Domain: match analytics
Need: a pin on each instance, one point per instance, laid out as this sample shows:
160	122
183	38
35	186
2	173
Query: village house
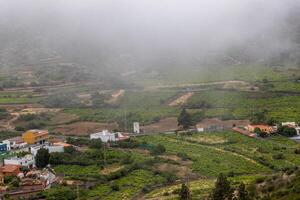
35	136
26	161
52	148
106	136
215	124
15	143
10	170
264	128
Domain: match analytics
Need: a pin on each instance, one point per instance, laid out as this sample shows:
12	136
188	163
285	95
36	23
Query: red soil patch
164	125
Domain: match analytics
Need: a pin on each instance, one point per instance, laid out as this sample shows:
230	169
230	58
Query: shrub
278	156
157	150
297	151
260	180
20	128
183	156
169	176
115	187
287	131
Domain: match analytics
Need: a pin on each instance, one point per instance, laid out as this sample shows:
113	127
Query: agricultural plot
145	107
213	153
251	73
126	187
240	105
208	160
199	188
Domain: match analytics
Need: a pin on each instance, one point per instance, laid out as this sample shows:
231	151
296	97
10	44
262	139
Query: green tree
185	193
69	150
259	117
95	144
242	192
222	190
42	158
287	131
184	119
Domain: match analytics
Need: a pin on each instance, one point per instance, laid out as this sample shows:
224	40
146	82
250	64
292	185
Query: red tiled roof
10	168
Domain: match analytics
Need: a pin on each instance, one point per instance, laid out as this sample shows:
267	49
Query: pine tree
185	193
223	190
184	119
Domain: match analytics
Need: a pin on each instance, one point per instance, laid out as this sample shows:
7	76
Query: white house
289	124
106	136
15	143
26	161
51	148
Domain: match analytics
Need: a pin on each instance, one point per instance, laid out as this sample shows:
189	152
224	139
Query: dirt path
9	124
116	96
182	99
226	83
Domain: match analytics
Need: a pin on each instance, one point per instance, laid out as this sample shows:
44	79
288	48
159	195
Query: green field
135	172
241	105
253	155
251	73
146	107
128	186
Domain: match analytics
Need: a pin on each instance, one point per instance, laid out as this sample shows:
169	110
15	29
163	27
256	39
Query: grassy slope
241	156
242	104
145	107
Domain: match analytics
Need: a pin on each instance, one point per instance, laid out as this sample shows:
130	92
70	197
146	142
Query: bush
183	156
69	150
260	180
287	131
297	151
169	176
28	117
115	187
20	128
279	156
157	150
95	144
130	143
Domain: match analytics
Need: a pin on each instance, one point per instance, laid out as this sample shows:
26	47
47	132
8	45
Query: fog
117	34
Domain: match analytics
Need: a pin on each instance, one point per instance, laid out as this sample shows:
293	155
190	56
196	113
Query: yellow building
35	136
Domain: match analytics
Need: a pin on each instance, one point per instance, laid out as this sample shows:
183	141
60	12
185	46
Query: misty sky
126	28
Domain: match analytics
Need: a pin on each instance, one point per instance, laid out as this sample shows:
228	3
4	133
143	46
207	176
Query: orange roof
260	126
10	168
38	132
62	143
